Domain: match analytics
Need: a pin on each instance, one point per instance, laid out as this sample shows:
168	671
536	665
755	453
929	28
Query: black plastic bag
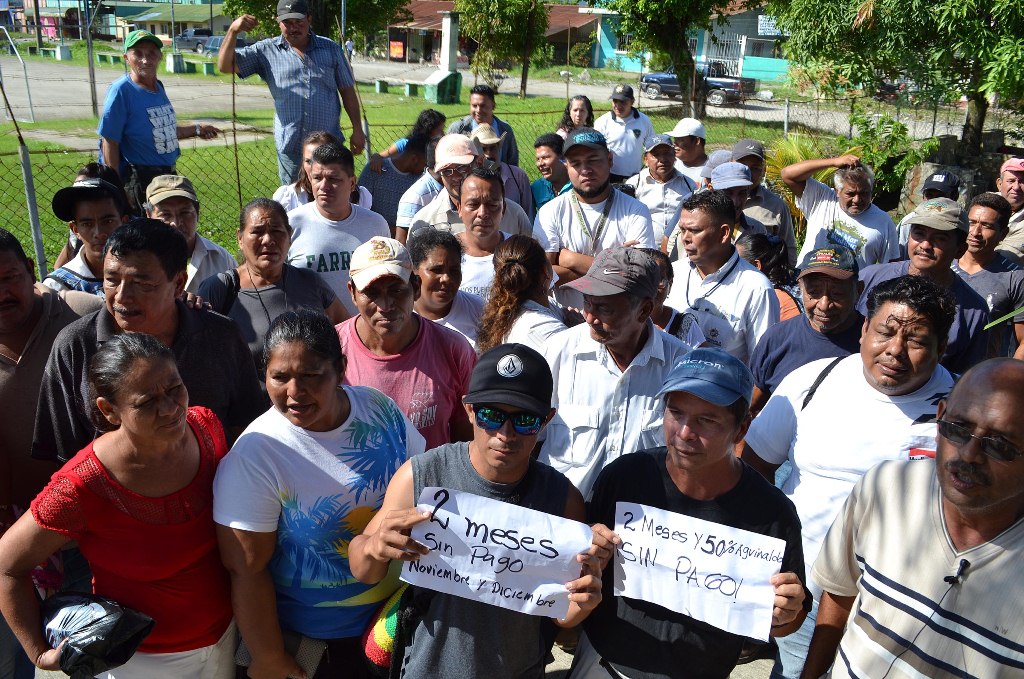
98	634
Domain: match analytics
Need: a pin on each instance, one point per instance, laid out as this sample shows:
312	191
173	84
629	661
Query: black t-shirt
648	641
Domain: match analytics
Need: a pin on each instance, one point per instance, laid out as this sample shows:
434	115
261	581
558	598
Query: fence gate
724	52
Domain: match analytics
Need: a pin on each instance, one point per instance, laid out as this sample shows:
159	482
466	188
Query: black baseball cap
622	92
65	200
947	183
292	9
512	374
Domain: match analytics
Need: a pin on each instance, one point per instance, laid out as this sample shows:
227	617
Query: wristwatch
199	130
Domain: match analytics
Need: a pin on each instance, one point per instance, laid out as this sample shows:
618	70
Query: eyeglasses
492	419
959	435
453	170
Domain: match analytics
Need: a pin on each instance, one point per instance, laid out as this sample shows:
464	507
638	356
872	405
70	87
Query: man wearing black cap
575	226
608	370
628	132
691	470
942	184
509	403
306	74
763	204
92	208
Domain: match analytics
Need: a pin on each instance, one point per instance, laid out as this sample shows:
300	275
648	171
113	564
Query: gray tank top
458	638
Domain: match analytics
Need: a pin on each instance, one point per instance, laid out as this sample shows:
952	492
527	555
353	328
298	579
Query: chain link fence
229	174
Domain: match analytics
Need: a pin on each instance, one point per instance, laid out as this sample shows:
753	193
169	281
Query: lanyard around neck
601	221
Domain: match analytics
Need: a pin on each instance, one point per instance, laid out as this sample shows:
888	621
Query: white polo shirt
603	412
626	140
662	198
734	306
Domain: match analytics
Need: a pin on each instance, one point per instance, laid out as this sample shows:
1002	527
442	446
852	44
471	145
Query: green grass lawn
212	168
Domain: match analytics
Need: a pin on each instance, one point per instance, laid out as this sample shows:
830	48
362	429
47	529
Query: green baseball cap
136	36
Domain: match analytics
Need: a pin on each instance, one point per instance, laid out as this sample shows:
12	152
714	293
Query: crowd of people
236	446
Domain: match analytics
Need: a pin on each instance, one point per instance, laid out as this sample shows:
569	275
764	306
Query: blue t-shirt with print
141	122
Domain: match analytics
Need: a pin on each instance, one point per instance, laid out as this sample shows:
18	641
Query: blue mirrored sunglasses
492	419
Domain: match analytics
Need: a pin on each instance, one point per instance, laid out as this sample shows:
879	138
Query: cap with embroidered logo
292	9
135	37
712	375
947	183
379	257
618	270
622	93
586	137
941	214
747	147
657	140
838	262
514	375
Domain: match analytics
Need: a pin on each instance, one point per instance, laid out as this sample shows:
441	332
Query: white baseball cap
379	257
688	127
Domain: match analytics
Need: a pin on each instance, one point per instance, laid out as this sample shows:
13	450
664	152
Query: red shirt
156	555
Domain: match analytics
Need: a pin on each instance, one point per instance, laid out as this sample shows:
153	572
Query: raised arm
226	55
797	174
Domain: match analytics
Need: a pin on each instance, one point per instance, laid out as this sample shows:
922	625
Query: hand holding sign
501	554
717	574
392	541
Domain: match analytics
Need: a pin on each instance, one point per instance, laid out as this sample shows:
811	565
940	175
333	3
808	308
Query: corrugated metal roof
426	17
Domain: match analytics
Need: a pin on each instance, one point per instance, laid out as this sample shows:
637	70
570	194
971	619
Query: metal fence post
785	121
33	210
935	116
853	103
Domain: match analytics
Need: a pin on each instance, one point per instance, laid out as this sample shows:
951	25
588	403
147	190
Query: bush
580	53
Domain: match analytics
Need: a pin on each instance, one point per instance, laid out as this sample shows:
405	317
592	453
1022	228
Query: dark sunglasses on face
492	419
959	435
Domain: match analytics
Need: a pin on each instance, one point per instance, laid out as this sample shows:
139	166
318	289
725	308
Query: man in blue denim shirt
302	70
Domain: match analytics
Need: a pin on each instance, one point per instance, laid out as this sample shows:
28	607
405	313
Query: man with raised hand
307	76
843	215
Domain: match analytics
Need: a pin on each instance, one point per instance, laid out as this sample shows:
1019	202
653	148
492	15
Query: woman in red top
138	500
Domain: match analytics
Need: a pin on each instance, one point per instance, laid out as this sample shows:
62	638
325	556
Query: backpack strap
817	382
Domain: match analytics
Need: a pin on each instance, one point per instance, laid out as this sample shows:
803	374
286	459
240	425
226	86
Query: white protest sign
710	572
496	552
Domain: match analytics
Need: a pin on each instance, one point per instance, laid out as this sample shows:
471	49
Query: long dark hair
519	267
773	254
567	123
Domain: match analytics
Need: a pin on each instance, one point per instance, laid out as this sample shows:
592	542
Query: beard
592	193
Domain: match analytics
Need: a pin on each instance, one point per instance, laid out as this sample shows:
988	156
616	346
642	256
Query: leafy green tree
505	31
364	16
948	48
666	25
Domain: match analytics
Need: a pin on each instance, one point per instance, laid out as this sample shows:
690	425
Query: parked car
212	46
192	39
720	87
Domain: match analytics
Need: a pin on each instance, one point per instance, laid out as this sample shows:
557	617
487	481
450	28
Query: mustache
972	471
